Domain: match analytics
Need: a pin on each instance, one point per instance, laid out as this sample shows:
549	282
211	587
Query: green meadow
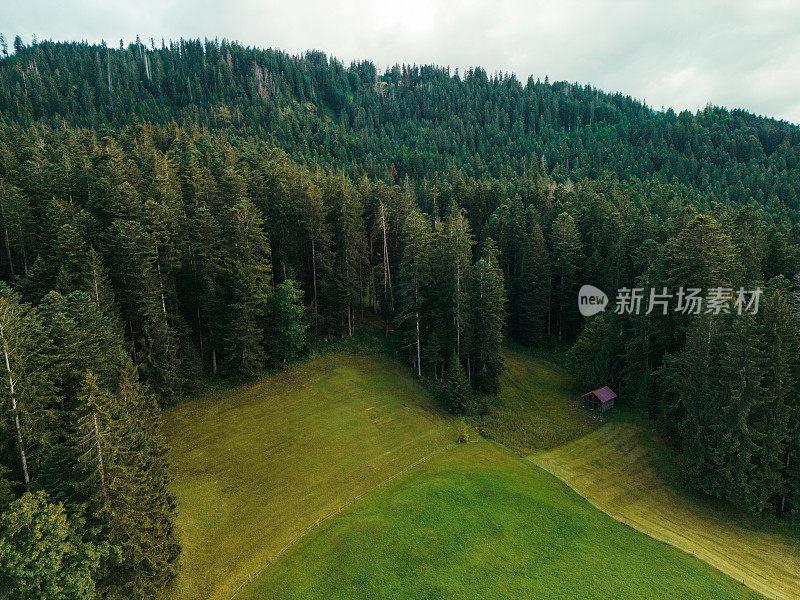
537	407
257	466
479	522
625	469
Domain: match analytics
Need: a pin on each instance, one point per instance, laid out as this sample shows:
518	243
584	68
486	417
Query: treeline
410	120
214	254
723	384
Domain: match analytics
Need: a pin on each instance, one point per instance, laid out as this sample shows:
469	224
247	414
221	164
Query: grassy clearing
257	464
538	406
624	470
476	521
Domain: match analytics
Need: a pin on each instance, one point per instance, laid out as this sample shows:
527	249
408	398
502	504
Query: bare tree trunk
214	362
200	331
8	252
12	392
387	272
549	304
783	498
96	290
457	315
419	350
5	236
133	341
99	453
161	286
314	271
23	459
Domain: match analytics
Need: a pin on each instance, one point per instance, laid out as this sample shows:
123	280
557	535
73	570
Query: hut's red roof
604	394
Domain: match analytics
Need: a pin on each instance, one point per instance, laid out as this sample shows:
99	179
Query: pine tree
17	229
413	280
777	418
94	435
206	273
526	267
745	467
701	256
25	384
582	356
249	279
567	263
98	286
42	554
289	321
487	300
316	230
125	481
457	253
346	213
143	308
58	477
532	287
691	399
458	391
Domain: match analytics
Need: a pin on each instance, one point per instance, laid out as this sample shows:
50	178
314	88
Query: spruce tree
42	553
413	280
487	300
25	386
778	417
567	263
289	321
249	281
532	286
457	242
583	354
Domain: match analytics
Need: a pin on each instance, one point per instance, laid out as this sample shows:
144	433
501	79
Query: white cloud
683	54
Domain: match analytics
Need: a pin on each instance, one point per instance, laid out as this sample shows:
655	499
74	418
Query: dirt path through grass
617	468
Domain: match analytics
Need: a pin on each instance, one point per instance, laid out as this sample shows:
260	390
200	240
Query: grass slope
623	469
256	465
476	521
538	406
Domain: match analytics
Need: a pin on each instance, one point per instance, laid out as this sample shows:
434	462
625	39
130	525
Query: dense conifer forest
174	211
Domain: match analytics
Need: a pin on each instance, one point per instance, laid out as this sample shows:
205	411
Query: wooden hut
600	399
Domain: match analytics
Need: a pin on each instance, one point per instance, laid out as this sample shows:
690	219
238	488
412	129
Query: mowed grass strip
256	465
475	521
624	470
538	406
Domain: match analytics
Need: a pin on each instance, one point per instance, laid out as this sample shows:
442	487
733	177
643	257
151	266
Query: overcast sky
678	53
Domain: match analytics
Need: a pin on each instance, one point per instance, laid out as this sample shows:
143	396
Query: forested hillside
192	209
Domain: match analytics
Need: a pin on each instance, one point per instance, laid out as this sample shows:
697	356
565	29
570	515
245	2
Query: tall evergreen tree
26	387
567	264
413	281
487	307
42	554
